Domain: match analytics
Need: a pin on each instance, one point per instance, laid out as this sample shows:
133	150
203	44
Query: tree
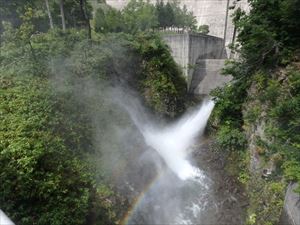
169	15
62	14
139	15
85	17
182	17
269	33
108	19
204	29
12	11
160	10
49	14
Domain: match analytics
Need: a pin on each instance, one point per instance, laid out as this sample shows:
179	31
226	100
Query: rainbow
139	199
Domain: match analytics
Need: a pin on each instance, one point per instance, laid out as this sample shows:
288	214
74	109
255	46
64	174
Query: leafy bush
42	181
269	33
161	80
229	138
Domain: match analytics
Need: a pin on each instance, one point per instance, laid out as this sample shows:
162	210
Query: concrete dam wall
201	57
208	76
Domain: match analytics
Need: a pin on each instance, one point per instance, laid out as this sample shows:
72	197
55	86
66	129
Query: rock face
210	12
291	213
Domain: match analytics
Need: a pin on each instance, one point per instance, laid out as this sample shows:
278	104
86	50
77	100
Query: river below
191	186
213	197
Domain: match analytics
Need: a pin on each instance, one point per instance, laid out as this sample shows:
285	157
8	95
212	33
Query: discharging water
181	192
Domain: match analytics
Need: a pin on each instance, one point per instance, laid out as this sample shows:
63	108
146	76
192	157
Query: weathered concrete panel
291	211
203	47
207	76
179	45
187	48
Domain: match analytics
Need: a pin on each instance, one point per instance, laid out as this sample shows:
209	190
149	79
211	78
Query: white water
173	142
182	193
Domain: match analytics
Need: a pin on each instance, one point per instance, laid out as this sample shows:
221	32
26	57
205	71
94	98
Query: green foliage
266	201
269	33
49	83
228	108
184	18
32	54
227	116
243	177
12	11
172	15
252	114
139	15
37	169
263	42
230	138
285	112
263	98
203	29
44	134
72	11
162	83
108	19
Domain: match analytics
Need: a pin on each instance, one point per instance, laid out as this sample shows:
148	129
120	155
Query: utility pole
226	21
225	28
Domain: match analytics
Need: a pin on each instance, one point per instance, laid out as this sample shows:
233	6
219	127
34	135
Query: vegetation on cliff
53	82
259	110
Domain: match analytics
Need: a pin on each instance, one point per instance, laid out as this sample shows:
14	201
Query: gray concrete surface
207	76
201	58
187	48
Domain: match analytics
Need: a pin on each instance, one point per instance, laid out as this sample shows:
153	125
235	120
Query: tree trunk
85	17
63	21
49	14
